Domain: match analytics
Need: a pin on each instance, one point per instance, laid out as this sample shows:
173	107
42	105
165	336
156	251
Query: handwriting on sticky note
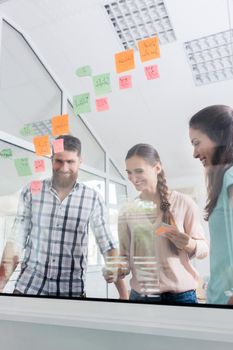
82	103
124	61
22	167
60	125
149	49
102	104
151	72
36	187
39	165
125	82
27	130
84	71
58	146
6	153
102	84
42	145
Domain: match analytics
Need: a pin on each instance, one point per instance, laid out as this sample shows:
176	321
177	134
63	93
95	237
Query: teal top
221	245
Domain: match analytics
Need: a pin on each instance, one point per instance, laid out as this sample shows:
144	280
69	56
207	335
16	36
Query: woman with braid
159	240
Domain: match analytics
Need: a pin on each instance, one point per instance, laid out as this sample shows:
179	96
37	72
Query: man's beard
62	181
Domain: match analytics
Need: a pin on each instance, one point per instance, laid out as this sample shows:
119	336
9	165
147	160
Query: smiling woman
211	133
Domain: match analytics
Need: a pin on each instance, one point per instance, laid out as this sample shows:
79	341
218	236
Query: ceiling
68	34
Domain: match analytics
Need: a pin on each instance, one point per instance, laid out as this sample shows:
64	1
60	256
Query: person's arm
192	240
16	240
105	241
120	283
10	260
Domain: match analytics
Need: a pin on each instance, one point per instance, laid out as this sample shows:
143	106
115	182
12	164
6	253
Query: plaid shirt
54	236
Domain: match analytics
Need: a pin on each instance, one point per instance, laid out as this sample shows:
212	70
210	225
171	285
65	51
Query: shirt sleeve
100	226
124	235
194	229
22	224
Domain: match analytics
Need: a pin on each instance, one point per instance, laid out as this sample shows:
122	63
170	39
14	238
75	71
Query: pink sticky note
102	104
152	72
125	82
36	187
39	165
58	146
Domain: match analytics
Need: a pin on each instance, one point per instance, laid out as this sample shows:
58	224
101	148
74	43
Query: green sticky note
27	130
6	153
23	167
83	71
102	84
82	103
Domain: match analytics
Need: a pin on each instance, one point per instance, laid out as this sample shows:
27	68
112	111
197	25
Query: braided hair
151	156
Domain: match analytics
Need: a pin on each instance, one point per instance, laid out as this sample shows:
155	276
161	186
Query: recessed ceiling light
135	20
211	57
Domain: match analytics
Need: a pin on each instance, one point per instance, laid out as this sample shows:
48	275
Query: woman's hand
180	239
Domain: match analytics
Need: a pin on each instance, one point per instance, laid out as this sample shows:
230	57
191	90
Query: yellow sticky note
60	125
149	49
124	61
42	145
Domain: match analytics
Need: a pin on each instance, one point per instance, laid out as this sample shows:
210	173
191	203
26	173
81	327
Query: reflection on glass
92	153
10	188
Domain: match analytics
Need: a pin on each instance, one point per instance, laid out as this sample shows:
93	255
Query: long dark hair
151	156
217	123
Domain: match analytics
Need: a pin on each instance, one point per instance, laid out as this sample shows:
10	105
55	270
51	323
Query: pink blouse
137	238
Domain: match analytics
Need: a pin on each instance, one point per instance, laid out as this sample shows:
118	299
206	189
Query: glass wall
29	98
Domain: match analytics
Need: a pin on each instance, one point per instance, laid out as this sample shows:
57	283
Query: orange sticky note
58	146
42	145
152	72
149	49
124	61
125	82
60	125
161	230
39	165
36	187
102	104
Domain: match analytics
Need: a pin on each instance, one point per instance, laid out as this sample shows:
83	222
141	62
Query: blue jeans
188	297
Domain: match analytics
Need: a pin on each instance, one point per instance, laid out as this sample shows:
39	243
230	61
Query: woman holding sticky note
159	233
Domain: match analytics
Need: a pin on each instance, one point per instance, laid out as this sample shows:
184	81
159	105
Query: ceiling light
135	20
211	57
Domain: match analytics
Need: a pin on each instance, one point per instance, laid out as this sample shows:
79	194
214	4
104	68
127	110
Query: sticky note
22	167
58	146
149	49
60	125
162	229
124	61
6	153
82	103
27	130
36	187
102	104
42	145
102	84
84	71
39	165
125	82
151	72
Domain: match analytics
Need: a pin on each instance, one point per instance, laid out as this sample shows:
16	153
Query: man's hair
71	143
